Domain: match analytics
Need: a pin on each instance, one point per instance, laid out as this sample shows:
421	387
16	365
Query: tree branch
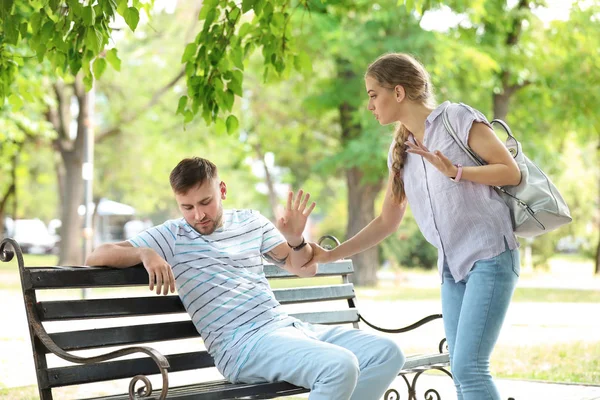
132	117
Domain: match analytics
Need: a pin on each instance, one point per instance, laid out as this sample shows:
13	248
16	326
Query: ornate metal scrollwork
6	254
328	237
430	392
443	346
391	394
144	391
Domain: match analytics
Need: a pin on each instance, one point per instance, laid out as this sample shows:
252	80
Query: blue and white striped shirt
221	282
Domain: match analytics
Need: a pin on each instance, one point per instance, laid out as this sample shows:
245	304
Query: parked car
33	236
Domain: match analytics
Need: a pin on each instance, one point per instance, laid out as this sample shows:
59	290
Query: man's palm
293	221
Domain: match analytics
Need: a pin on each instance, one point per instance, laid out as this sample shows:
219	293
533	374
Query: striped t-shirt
221	282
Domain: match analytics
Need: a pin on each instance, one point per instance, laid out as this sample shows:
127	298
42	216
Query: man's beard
210	228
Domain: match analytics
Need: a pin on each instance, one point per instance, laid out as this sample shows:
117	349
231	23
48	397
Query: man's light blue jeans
336	363
474	311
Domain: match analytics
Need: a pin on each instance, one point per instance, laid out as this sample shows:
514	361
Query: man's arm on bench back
123	255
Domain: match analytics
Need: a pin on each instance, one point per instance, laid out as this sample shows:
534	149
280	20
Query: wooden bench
129	331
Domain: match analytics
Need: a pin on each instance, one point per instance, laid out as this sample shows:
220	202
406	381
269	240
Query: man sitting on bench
214	258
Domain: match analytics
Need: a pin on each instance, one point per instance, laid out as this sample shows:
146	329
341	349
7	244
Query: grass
521	294
574	362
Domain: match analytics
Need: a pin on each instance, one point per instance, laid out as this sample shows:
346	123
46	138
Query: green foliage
408	247
69	34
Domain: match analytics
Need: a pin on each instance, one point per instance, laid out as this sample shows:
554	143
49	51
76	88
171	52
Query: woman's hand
437	159
320	255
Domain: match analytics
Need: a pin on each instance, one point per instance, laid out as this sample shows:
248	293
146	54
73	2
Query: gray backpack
536	206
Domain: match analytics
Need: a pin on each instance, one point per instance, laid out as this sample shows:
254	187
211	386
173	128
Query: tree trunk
269	182
71	229
361	211
501	102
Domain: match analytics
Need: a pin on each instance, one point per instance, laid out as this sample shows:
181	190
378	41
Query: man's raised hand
292	223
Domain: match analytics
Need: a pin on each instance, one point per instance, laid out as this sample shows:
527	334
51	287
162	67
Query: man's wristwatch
300	246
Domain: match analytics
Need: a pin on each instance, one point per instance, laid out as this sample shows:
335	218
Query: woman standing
456	209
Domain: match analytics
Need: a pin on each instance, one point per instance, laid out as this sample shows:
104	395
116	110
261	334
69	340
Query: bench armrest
407	328
39	331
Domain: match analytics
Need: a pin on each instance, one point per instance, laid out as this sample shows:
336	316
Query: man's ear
223	189
400	93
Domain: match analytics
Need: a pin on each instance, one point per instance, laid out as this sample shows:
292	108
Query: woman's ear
399	93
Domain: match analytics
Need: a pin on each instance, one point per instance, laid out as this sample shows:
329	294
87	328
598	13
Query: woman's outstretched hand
320	255
436	158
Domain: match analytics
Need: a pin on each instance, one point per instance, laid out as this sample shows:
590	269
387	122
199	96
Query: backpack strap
472	155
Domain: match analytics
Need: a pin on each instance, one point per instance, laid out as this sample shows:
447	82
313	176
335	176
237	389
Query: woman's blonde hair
401	69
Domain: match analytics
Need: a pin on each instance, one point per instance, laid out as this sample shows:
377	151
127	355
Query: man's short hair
190	173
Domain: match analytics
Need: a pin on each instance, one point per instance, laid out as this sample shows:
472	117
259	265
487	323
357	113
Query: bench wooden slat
124	335
152	305
317	293
424	361
75	375
218	390
341	267
108	308
135	334
86	277
345	316
110	370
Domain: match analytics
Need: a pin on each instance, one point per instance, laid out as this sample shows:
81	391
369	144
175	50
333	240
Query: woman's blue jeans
474	311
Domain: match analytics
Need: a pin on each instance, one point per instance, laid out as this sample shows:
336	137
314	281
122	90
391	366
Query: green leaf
88	81
15	101
220	127
235	86
40	52
6	6
182	103
132	17
228	99
188	116
244	29
247	5
94	39
237	57
232	124
207	6
122	7
47	32
234	14
89	15
99	67
189	52
303	63
35	21
113	59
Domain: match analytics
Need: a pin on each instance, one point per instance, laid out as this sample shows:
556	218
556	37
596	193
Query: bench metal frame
100	368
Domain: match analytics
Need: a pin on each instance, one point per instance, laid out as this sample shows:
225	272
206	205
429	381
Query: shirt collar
437	111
